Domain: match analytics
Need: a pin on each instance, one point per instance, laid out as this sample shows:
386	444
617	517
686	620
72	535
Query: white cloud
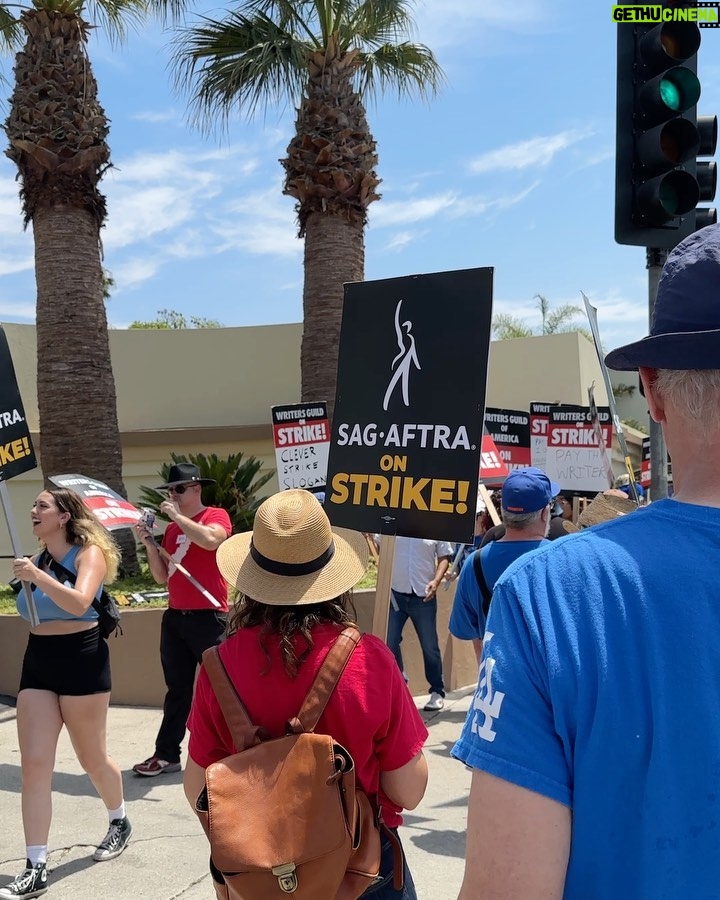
262	222
134	271
159	117
17	309
535	152
475	206
401	240
9	264
404	212
139	214
170	206
440	25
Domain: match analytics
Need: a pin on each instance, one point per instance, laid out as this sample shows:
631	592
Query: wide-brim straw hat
603	508
293	557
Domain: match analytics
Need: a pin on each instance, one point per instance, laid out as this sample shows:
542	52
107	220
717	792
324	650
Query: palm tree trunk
75	384
334	255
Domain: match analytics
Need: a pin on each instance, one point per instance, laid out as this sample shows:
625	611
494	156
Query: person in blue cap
594	734
527	498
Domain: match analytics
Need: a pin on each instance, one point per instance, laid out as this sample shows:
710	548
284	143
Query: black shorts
70	665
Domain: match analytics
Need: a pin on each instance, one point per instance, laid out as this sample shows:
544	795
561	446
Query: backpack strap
327	677
482	582
242	730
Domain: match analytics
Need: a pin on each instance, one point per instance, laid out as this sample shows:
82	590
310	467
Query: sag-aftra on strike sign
408	424
16	450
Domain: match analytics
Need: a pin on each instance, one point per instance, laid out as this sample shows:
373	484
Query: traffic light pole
658	452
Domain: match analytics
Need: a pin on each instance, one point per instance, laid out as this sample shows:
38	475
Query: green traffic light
670	95
679	89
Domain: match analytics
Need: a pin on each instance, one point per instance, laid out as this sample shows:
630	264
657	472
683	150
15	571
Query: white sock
118	813
37	854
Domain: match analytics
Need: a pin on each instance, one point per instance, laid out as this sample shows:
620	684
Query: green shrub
237	483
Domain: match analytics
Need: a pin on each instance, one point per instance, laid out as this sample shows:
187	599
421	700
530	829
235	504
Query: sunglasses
178	488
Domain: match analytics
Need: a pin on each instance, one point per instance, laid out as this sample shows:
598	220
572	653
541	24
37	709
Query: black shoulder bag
482	582
107	608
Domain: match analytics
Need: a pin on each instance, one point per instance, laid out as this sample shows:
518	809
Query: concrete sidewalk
167	856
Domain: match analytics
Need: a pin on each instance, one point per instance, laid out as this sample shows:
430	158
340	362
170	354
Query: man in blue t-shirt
594	734
526	500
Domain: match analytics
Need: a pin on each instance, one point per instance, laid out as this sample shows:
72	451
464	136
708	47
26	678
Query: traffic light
659	180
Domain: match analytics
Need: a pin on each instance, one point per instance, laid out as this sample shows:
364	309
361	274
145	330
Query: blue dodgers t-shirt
467	619
598	688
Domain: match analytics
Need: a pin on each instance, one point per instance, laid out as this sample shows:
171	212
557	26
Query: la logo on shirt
487	703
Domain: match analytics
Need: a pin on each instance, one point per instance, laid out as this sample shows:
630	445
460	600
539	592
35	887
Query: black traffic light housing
658	178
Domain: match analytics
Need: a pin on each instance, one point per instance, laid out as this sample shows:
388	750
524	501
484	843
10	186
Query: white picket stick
183	571
17	550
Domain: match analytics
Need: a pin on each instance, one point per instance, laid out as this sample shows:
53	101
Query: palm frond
238	63
560	318
381	21
10	31
405	68
294	16
505	327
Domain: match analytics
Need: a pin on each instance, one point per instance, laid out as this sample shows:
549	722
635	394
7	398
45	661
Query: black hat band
292	569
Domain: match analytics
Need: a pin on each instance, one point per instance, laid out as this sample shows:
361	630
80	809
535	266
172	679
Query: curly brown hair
290	622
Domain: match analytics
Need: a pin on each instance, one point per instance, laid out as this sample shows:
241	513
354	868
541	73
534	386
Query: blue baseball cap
685	329
527	490
625	488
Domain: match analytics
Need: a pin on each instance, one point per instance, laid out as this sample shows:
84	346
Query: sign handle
17	550
592	319
383	589
183	571
489	505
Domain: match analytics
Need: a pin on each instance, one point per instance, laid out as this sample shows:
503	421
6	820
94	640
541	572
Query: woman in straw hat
294	575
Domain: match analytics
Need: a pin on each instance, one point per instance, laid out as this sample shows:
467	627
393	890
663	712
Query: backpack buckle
287	879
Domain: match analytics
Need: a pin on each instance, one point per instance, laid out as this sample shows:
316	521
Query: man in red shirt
192	622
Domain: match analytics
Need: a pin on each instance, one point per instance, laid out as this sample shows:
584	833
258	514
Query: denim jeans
384	890
423	615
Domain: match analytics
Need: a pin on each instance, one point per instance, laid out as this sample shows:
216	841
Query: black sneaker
31	882
115	841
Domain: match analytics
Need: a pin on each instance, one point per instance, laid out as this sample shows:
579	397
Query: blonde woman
65	678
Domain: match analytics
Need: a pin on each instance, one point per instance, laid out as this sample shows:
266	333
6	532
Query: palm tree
323	56
552	321
57	132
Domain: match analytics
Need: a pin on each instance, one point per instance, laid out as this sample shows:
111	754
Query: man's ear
656	407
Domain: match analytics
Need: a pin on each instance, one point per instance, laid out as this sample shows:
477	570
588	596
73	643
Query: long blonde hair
84	528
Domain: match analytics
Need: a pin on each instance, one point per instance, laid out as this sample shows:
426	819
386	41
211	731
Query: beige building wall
210	391
135	659
554	368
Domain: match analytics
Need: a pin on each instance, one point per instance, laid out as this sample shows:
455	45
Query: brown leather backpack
284	815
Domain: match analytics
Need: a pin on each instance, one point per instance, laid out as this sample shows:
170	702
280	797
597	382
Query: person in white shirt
418	569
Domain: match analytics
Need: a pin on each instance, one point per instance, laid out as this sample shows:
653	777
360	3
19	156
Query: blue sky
511	166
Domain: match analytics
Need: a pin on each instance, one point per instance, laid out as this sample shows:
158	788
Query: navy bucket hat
685	329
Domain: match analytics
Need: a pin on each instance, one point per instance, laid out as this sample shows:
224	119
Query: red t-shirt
200	564
370	712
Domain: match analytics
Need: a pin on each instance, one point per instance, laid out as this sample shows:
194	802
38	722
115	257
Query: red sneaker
154	766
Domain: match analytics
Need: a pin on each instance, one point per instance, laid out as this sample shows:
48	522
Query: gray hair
520	521
695	393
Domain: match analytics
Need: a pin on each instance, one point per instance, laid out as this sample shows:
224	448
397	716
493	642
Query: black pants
184	635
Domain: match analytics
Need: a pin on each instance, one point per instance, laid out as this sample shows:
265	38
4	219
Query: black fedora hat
685	329
184	473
